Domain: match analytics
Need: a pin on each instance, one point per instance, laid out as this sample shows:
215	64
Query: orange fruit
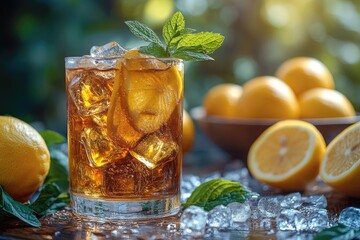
221	99
340	167
24	158
267	97
188	132
304	73
287	155
324	103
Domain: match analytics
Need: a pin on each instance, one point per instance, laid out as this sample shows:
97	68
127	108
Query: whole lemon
267	97
304	73
221	99
24	158
188	132
325	103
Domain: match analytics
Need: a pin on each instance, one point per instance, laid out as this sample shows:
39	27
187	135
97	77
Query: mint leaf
207	40
338	232
216	192
189	55
187	31
58	172
143	32
154	49
62	201
50	200
17	209
173	27
48	195
51	137
172	45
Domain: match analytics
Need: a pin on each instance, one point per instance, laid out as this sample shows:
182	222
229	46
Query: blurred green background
259	35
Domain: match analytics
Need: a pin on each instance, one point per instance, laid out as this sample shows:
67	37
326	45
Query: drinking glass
124	118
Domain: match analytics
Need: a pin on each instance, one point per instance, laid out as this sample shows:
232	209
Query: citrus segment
287	155
304	73
24	158
340	167
151	96
119	128
324	103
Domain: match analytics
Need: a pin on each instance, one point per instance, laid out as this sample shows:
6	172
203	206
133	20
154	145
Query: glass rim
77	58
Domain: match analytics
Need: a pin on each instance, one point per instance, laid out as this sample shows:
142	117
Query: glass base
119	210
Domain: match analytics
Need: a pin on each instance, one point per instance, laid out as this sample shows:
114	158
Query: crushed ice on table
292	200
305	219
315	219
188	185
269	206
253	202
266	214
219	217
318	201
350	217
193	221
240	212
289	219
291	212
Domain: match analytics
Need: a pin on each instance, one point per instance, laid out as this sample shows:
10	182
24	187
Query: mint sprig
180	42
217	192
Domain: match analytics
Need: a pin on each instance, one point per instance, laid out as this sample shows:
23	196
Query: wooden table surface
63	225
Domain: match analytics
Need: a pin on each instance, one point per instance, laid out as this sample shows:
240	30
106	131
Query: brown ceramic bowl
235	136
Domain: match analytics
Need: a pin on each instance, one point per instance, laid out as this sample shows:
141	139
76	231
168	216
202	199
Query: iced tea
124	135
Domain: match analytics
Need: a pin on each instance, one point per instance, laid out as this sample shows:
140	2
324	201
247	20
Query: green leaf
143	32
187	31
17	209
192	56
172	45
173	27
62	201
48	196
207	40
338	232
154	49
51	137
217	192
58	172
180	42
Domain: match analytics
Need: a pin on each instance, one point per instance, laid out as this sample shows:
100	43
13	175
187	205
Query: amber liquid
103	114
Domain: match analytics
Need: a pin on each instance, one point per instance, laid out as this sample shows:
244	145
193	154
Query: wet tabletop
63	225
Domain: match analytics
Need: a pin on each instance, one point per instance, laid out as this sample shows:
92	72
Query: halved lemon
151	96
146	92
119	128
287	155
340	167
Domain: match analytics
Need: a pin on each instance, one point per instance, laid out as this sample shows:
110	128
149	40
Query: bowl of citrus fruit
233	116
